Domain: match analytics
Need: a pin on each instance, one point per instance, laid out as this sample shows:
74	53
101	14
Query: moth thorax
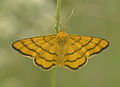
62	41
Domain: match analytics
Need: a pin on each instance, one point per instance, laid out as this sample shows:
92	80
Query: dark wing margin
46	68
80	65
108	43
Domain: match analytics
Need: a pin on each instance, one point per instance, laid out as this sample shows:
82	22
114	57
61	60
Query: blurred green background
30	18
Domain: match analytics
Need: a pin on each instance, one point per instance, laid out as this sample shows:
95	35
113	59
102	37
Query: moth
61	49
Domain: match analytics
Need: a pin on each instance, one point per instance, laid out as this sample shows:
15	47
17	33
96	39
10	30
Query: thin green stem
53	77
58	15
56	27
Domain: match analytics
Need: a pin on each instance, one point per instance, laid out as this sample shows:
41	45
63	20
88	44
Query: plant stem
58	15
56	27
53	77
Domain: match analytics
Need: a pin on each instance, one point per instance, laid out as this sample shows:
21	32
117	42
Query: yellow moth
61	49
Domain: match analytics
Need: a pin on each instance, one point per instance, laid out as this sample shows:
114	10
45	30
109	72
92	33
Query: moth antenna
69	17
56	29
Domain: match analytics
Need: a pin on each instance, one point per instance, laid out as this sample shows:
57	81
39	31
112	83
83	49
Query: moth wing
42	49
79	48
